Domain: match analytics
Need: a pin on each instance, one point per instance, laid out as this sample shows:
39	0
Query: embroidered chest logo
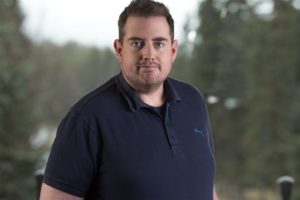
199	131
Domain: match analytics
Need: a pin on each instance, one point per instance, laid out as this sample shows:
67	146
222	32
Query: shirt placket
170	133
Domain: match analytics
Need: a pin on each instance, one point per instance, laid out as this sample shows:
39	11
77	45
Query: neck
154	98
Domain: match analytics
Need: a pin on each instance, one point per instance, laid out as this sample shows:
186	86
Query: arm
50	193
74	150
215	196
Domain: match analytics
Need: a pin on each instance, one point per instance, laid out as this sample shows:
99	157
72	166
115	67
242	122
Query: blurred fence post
39	180
285	187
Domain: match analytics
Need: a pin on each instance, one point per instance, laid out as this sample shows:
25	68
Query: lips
148	66
148	69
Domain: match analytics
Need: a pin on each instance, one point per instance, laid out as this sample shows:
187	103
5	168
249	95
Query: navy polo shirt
113	146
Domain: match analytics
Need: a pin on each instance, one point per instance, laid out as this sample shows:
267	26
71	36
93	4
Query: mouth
148	66
148	69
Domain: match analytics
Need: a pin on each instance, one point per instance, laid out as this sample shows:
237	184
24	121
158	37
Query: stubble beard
147	77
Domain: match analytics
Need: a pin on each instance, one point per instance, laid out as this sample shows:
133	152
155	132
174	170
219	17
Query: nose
148	52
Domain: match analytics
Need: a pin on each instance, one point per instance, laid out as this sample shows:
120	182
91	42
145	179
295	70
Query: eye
137	44
159	45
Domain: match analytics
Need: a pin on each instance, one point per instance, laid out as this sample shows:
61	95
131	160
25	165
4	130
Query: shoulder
186	90
95	99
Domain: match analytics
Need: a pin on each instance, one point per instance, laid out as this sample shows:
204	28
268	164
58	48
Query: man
141	135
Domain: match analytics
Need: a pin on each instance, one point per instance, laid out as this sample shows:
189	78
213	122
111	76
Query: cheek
128	64
129	58
167	61
125	60
166	68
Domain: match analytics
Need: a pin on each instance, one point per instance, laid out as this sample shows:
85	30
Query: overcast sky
91	22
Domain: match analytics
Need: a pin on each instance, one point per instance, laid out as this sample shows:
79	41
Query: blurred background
244	55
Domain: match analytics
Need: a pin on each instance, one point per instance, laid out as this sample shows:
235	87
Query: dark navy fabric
112	146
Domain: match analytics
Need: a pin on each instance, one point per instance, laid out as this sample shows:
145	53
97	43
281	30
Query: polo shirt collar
134	101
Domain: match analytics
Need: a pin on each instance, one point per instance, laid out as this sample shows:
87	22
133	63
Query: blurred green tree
271	107
207	47
65	73
17	107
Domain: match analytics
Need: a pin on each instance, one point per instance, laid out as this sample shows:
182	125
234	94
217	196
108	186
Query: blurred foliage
65	73
248	61
17	112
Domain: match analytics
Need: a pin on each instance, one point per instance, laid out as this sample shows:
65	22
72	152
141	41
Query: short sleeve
74	156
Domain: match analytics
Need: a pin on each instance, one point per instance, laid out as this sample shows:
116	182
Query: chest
142	151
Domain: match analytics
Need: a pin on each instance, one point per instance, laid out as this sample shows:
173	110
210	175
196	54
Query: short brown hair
144	8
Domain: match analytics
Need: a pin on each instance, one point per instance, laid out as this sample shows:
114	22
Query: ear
174	49
118	49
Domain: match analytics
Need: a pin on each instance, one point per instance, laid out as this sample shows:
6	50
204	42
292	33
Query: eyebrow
154	39
160	39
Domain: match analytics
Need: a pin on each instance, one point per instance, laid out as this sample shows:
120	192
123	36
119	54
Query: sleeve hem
64	187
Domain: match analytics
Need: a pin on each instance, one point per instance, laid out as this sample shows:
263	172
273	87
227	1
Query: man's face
146	53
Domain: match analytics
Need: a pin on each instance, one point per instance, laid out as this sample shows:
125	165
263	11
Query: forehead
147	27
